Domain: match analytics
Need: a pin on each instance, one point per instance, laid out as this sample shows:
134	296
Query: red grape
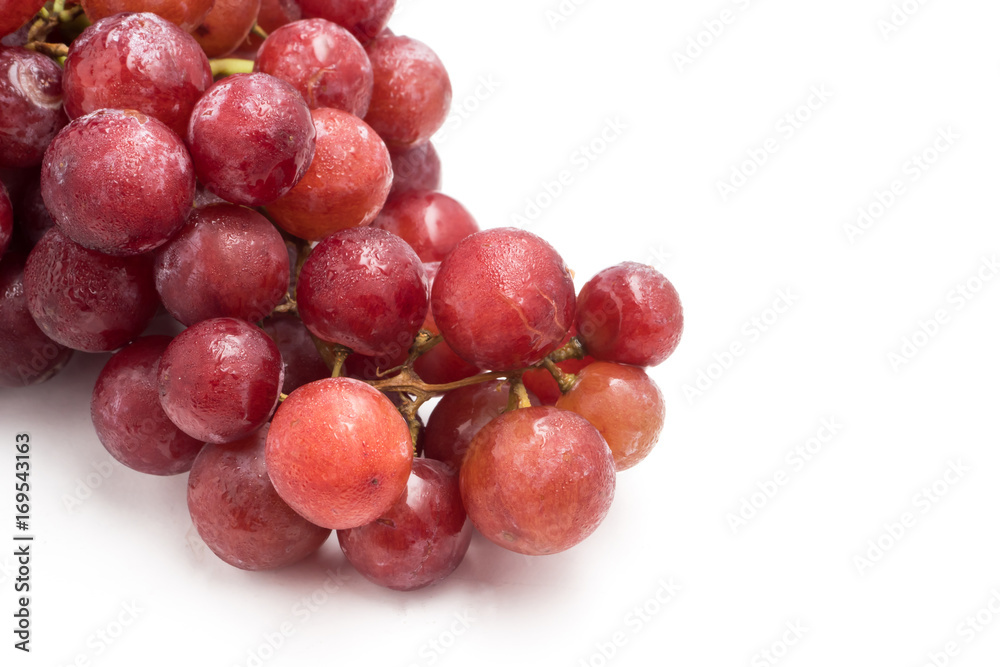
251	138
302	361
431	222
339	452
364	288
85	299
219	380
418	541
631	314
33	218
503	299
238	513
459	416
15	13
118	181
416	168
228	261
188	14
27	356
412	92
623	404
6	220
127	415
364	18
31	99
440	364
136	61
345	186
226	26
273	14
537	480
324	63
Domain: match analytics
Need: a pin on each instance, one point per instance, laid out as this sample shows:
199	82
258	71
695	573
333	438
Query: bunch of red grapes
282	205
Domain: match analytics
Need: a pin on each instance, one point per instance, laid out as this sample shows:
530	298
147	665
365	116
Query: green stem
229	66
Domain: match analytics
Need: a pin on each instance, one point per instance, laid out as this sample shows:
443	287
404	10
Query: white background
652	195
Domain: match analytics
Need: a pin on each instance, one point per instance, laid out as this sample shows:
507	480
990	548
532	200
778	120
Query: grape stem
228	66
257	30
563	379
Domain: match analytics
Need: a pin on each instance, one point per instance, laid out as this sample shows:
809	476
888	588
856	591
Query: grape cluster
283	206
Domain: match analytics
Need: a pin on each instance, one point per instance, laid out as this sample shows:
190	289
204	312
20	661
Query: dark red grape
252	138
6	220
136	61
118	181
27	356
420	540
127	415
364	18
339	453
459	416
31	99
188	14
412	93
228	261
33	218
15	13
364	288
416	168
623	404
273	14
238	513
324	63
431	222
538	480
631	314
85	299
503	299
302	361
220	379
368	368
226	26
345	186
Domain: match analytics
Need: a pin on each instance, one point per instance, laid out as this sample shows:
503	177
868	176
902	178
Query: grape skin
431	222
239	515
136	61
416	168
127	416
418	541
31	99
364	18
188	14
226	26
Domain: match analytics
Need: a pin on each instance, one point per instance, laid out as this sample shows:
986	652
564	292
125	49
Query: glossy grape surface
416	168
537	480
219	380
412	93
31	99
339	453
366	289
238	513
623	403
15	13
252	138
364	18
302	361
228	261
188	14
226	26
631	314
459	416
87	300
136	61
27	355
118	181
345	186
503	299
130	423
420	540
323	61
431	222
